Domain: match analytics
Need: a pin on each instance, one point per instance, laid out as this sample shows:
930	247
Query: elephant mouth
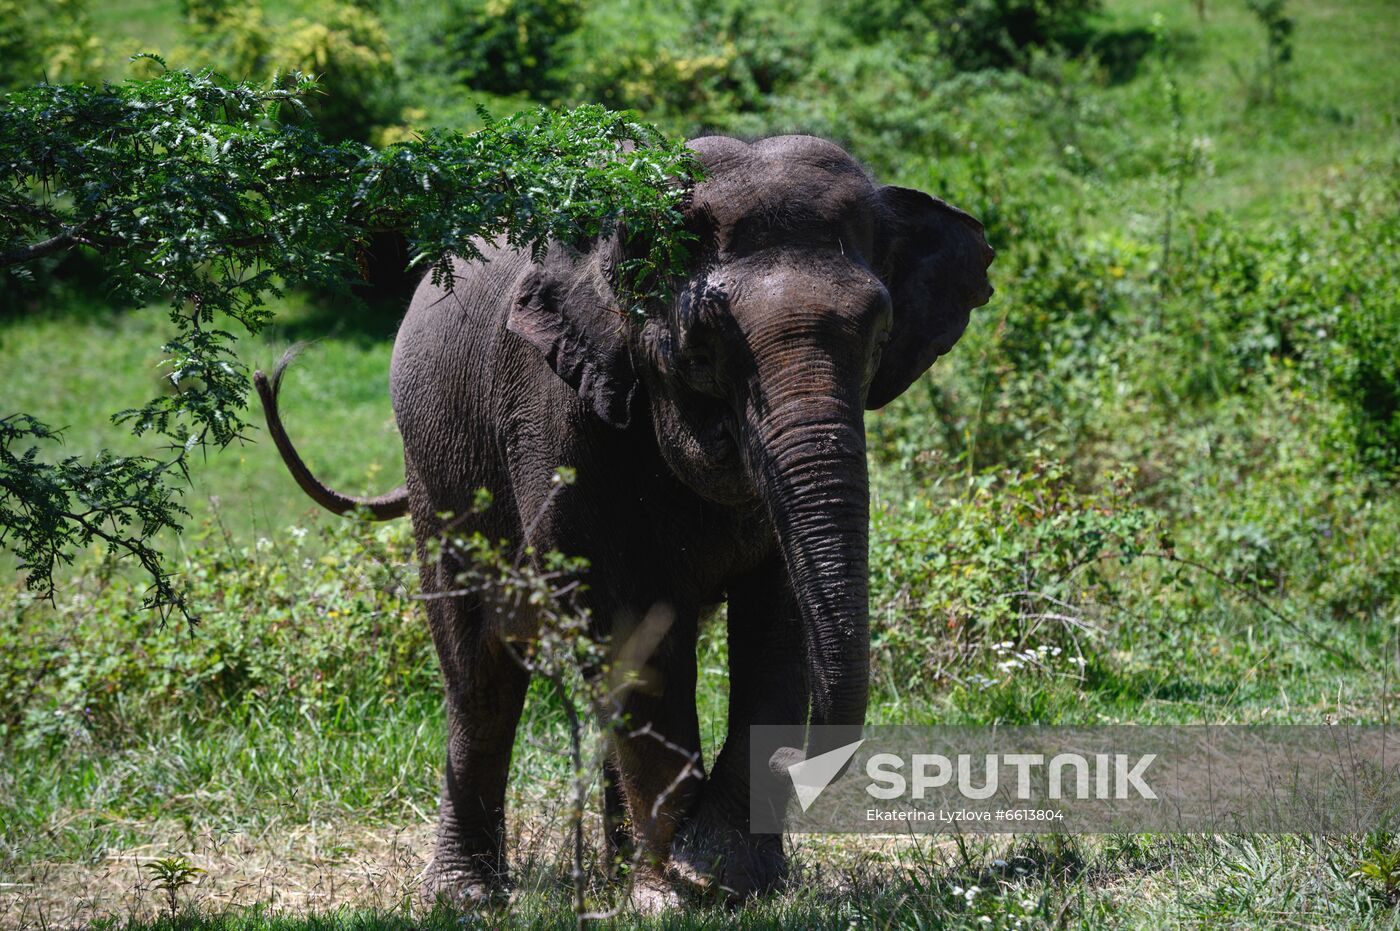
712	426
727	480
700	440
722	439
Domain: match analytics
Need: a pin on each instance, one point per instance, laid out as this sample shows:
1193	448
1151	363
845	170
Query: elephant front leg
655	741
767	685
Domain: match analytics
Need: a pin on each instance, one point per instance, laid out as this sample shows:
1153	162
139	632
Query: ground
1110	403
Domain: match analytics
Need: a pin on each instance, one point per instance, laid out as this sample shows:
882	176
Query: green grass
1341	100
293	746
80	363
1254	882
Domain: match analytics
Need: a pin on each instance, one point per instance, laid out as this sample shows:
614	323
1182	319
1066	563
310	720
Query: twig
1221	577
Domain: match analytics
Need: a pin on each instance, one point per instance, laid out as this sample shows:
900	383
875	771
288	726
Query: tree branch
39	249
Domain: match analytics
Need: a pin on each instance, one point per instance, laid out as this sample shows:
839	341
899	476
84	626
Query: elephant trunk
812	469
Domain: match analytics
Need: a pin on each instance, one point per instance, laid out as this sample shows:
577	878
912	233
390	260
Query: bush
204	14
342	44
1033	370
347	48
46	41
997	33
1089	333
1362	358
972	35
509	46
703	65
1304	295
1267	79
1010	562
301	624
1365	373
664	84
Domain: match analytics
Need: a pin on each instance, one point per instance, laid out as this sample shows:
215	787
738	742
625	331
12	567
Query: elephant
718	446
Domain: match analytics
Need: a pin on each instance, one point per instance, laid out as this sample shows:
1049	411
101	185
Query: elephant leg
617	836
767	685
485	693
656	747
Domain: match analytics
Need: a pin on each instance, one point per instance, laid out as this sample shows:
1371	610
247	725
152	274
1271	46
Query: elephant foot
716	857
463	885
651	894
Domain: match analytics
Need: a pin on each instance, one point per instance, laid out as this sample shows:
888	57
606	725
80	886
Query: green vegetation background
1154	483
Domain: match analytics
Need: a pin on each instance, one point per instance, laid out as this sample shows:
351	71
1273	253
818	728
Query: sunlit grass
320	806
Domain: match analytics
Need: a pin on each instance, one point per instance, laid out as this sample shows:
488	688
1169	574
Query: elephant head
813	295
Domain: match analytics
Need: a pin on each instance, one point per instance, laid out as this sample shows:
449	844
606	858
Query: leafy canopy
199	193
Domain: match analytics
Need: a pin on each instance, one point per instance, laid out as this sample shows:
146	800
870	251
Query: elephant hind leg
485	692
618	846
484	703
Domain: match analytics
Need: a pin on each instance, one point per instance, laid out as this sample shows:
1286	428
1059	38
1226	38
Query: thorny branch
194	192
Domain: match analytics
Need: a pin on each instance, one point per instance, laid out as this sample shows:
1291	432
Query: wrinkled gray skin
720	454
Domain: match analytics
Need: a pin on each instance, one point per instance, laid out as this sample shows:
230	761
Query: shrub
1366	375
707	64
509	46
1088	332
1265	81
1032	371
344	46
347	48
996	33
1361	357
236	41
972	35
205	14
1009	562
46	41
301	623
664	83
1303	294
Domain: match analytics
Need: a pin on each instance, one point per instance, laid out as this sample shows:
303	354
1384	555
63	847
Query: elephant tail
381	507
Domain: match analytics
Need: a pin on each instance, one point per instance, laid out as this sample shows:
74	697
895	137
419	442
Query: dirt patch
302	868
285	868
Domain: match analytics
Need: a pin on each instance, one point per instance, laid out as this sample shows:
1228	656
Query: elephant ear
580	336
933	258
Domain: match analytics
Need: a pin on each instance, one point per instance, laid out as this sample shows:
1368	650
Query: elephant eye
699	369
698	306
698	360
